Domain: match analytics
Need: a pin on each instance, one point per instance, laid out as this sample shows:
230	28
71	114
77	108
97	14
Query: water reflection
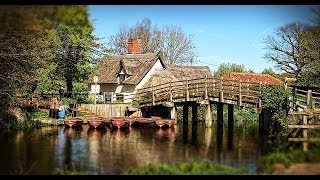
219	143
185	130
113	151
230	135
72	132
194	133
165	132
92	132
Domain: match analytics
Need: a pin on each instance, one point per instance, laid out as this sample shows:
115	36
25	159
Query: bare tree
316	12
177	46
287	48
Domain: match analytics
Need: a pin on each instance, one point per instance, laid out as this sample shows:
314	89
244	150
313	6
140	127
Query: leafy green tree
271	72
24	47
225	68
75	45
311	42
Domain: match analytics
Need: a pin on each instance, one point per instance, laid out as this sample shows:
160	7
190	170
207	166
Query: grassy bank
202	167
25	122
289	157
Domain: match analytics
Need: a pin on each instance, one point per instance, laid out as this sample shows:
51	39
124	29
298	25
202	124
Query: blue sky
222	33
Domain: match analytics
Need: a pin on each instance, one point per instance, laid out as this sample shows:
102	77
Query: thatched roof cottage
121	76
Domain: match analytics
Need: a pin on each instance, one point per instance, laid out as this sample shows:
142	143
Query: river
50	150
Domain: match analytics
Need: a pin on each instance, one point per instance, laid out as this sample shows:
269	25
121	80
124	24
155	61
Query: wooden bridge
241	93
203	91
305	106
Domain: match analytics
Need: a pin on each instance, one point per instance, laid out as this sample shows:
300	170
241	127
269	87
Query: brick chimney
134	46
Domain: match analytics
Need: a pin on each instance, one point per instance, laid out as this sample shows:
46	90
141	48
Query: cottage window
119	97
121	77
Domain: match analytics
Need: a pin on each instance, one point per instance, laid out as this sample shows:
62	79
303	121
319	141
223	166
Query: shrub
200	167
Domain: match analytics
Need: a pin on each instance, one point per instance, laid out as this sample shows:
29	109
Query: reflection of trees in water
67	163
114	151
72	136
223	145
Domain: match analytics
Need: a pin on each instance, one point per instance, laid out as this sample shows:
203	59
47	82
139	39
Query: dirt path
298	168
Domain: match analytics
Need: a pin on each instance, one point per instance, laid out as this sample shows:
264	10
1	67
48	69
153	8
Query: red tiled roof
254	77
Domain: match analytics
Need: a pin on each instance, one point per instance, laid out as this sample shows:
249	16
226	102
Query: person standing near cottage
62	110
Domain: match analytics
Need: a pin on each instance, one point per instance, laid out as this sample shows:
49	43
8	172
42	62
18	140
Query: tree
176	45
316	12
311	42
271	72
24	47
287	50
225	68
75	46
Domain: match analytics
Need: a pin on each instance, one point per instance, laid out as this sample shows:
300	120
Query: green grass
27	123
288	157
202	167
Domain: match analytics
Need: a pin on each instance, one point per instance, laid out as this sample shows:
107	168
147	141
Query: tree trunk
69	88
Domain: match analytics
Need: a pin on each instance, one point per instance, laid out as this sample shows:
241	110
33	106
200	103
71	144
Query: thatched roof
253	77
190	72
177	73
135	65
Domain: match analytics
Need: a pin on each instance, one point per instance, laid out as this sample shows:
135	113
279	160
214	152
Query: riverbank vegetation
26	119
289	157
200	167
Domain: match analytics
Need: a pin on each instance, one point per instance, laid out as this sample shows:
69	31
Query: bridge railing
200	89
304	99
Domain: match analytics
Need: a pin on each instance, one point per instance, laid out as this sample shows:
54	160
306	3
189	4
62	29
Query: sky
221	33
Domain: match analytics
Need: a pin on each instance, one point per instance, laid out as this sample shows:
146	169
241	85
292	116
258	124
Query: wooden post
230	126
173	112
230	116
194	113
208	116
214	86
170	92
197	89
260	95
205	89
220	114
295	99
285	83
187	91
221	90
240	94
153	96
185	112
309	97
305	133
